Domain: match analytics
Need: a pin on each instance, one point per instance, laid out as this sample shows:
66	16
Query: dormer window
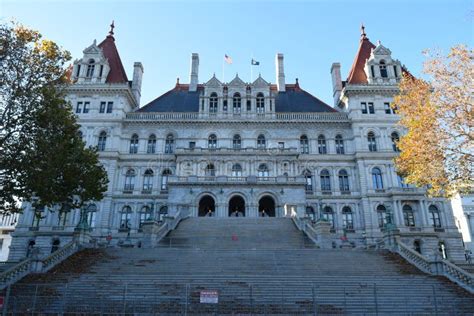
383	69
90	68
78	72
213	103
237	103
260	103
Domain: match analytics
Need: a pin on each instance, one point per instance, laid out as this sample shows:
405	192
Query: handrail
59	255
414	258
15	273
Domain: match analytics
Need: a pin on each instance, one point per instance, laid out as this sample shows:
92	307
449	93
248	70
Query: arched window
164	179
212	141
339	145
236	142
442	250
151	148
328	215
260	103
417	246
395	139
263	171
322	149
145	215
347	218
237	102
163	212
261	143
304	144
91	215
383	69
148	180
169	144
371	141
408	216
129	180
435	216
236	170
382	216
213	103
311	213
90	68
125	217
134	144
210	170
325	181
102	141
377	178
308	180
343	181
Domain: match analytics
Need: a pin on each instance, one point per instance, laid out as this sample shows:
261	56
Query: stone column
424	213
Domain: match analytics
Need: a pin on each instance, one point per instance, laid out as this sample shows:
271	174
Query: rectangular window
101	71
110	105
271	105
225	106
281	145
364	107
86	107
192	145
371	108
78	70
102	107
79	107
395	71
249	106
372	71
388	109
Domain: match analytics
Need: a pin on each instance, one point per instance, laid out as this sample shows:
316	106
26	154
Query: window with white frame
164	179
371	141
322	149
325	180
169	144
125	217
91	215
339	145
212	141
382	216
344	181
308	180
263	171
261	142
347	218
377	180
151	146
435	216
408	216
237	103
134	144
148	180
236	142
328	215
304	144
260	103
102	141
236	170
213	103
129	180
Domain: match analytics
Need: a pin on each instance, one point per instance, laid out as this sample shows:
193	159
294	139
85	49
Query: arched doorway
266	207
237	206
207	206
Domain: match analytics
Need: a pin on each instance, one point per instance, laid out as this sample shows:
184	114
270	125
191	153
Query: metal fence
231	298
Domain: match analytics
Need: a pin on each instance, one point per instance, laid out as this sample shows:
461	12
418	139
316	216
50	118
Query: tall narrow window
388	108
125	217
304	144
263	171
260	103
79	107
328	215
90	68
395	71
134	144
102	107
322	149
224	105
343	181
308	180
237	102
435	216
377	181
261	143
86	107
212	141
371	107
372	72
145	215
408	216
164	179
110	106
339	145
325	179
364	107
91	215
129	180
236	142
148	180
383	69
213	103
102	141
249	105
101	71
169	144
395	139
210	170
382	216
236	170
347	218
371	141
151	146
78	72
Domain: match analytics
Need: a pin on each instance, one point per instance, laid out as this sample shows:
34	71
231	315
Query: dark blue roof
180	99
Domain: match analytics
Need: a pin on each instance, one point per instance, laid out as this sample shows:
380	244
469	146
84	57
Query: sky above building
311	34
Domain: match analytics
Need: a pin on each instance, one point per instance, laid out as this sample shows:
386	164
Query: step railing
59	255
15	273
437	267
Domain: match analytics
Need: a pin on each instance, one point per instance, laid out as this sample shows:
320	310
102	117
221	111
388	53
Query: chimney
193	81
280	73
336	82
137	81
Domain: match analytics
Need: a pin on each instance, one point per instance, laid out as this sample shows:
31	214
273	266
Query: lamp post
82	225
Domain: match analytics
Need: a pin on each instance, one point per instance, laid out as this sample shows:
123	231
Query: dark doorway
237	207
266	207
207	206
55	245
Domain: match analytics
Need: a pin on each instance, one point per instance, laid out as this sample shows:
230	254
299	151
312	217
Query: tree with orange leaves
438	149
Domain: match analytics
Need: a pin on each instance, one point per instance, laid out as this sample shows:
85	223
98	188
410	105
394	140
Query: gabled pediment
92	49
260	83
213	82
381	50
237	82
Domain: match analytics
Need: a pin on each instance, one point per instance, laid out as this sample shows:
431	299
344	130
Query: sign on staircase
209	297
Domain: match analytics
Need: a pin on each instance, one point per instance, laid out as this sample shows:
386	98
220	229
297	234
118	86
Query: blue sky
311	34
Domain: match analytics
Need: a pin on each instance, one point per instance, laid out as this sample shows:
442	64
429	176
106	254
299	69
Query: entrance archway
266	207
206	204
237	206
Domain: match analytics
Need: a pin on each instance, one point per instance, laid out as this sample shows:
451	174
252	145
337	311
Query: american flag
228	59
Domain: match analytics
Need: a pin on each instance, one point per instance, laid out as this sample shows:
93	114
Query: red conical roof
357	72
117	73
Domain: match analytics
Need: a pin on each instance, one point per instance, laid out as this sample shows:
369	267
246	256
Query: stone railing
59	255
15	273
437	267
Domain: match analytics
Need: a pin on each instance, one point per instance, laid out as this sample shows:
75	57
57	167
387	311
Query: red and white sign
209	297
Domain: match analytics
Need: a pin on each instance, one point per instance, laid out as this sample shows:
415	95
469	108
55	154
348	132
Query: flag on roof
254	62
228	59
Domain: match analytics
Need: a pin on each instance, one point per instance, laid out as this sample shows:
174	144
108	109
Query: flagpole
251	69
223	80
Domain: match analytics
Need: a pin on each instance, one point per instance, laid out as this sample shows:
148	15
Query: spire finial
362	30
112	26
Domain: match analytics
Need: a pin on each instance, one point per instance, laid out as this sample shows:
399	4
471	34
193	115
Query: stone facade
245	149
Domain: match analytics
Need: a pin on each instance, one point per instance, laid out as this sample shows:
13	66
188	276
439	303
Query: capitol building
208	148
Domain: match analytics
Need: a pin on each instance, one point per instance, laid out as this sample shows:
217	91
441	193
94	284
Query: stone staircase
261	266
